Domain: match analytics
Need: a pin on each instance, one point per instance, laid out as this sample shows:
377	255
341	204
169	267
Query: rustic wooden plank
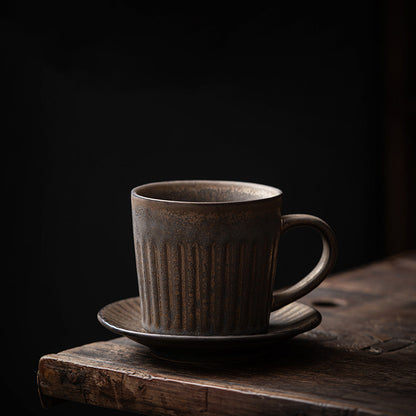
298	371
360	361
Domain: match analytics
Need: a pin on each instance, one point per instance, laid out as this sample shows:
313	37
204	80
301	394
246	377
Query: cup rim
273	192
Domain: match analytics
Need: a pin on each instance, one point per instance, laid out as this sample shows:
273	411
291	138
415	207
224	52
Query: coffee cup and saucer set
206	255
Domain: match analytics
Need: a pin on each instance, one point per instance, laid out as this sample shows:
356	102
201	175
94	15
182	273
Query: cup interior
201	191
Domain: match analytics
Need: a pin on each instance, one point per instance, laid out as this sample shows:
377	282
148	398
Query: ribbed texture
188	288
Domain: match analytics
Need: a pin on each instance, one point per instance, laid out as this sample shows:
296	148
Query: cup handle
289	294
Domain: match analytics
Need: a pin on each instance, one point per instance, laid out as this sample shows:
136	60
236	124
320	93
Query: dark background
313	98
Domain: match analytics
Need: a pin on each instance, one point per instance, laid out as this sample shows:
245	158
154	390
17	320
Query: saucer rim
281	333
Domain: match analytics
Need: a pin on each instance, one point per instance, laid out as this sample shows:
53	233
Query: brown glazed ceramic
121	317
206	256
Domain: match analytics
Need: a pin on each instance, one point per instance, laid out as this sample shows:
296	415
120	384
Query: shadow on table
287	355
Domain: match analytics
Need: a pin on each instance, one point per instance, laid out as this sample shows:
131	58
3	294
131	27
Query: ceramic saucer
123	317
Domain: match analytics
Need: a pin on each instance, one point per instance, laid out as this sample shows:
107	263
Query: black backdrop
106	97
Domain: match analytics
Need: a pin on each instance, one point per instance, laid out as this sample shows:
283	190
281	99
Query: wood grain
360	361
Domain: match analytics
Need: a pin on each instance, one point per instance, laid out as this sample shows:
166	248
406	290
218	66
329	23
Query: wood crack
393	344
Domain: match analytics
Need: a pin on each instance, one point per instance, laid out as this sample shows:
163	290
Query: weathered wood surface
360	361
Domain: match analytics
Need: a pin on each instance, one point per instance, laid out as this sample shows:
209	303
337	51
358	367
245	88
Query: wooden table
359	361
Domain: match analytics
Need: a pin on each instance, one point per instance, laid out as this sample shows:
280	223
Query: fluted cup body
206	256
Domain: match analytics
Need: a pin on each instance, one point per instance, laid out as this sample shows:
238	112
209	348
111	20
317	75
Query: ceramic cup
206	256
